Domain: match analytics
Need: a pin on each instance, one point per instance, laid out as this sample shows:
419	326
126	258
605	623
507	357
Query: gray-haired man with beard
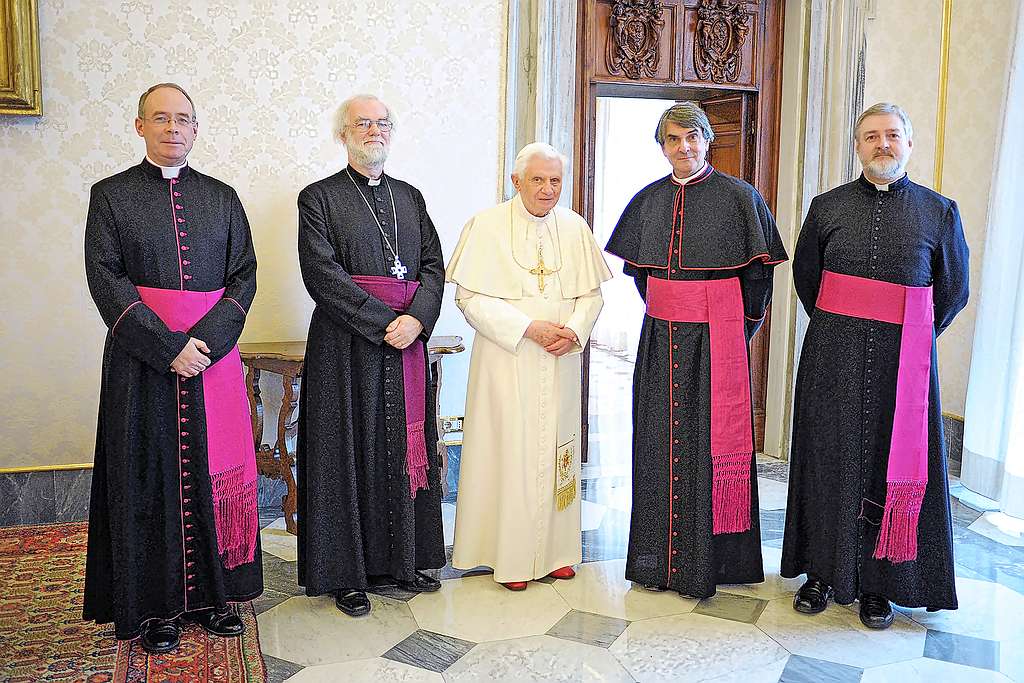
369	487
881	267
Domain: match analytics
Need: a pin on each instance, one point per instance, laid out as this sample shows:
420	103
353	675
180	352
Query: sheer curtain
993	459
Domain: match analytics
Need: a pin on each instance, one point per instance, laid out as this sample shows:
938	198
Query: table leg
286	423
252	388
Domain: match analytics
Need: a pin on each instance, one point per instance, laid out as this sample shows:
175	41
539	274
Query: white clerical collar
168	171
881	188
520	208
683	181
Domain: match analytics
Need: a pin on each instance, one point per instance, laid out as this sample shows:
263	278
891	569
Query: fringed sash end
730	493
416	457
236	516
897	537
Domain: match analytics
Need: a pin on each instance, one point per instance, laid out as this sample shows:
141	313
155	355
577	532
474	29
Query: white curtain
993	459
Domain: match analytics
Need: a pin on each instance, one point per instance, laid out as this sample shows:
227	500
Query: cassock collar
697	177
154	171
520	209
893	186
362	180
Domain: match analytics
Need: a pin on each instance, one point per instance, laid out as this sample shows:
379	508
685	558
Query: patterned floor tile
450	572
478	609
924	670
373	669
280	670
428	650
694	647
280	575
537	658
733	607
836	635
953	647
276	540
801	669
311	631
602	588
987	610
1000	528
268	599
773	524
589	629
610	540
448	522
771	494
773	586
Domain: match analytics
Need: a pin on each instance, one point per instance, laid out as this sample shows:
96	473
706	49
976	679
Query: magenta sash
231	457
719	303
907	470
397	295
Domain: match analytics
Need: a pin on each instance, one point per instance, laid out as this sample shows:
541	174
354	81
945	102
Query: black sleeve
639	276
133	324
426	303
222	325
331	288
756	278
809	260
951	271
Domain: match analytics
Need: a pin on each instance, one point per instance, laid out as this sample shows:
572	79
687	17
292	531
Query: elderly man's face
367	147
540	186
883	147
168	127
685	148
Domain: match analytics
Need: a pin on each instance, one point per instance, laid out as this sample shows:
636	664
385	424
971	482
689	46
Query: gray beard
886	168
367	156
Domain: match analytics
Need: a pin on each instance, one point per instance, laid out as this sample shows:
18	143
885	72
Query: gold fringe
565	496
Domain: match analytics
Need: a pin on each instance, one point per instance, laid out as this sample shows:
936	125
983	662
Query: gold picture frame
21	92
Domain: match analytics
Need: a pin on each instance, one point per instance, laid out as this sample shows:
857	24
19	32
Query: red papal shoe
515	585
563	573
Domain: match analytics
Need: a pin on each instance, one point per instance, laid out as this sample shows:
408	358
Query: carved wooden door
726	54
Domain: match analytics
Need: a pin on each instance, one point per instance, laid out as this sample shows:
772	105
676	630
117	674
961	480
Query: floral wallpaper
906	71
266	77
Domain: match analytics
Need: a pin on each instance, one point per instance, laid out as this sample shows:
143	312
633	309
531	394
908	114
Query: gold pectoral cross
540	271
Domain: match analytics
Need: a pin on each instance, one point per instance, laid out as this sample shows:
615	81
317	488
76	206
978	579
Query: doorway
634	60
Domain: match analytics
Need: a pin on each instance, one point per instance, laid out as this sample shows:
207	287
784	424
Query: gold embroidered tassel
566	495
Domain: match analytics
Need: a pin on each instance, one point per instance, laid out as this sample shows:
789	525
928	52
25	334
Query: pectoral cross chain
540	271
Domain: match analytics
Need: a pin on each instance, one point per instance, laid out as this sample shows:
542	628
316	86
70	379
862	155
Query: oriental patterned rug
43	637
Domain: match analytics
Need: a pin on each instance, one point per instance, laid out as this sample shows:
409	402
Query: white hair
886	108
341	115
537	149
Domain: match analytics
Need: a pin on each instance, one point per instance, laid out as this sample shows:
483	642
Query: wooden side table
287	359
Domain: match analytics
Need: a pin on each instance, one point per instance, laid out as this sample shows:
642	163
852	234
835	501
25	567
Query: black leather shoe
875	611
221	622
421	583
352	602
160	636
813	597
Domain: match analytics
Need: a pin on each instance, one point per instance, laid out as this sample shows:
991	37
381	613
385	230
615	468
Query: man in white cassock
529	280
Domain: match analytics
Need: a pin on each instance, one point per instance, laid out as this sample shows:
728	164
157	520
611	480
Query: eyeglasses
182	120
384	125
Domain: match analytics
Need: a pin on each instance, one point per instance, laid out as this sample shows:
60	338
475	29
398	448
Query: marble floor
599	627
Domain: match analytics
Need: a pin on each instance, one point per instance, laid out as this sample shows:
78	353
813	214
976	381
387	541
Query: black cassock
846	392
726	231
152	540
356	516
